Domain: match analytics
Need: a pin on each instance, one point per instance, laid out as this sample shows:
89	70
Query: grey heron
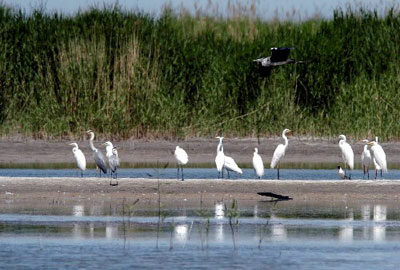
181	158
280	151
79	157
97	155
109	151
113	162
347	154
279	56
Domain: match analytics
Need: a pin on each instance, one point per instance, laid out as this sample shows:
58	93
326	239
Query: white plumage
182	158
366	158
280	151
341	173
347	153
109	149
379	155
258	164
222	161
230	165
79	157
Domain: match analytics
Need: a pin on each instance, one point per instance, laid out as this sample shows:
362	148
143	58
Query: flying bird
280	151
181	158
347	154
97	155
79	157
258	164
279	56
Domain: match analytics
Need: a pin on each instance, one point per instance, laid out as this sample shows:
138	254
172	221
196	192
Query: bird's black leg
376	174
222	172
229	177
81	173
277	169
182	173
177	172
381	174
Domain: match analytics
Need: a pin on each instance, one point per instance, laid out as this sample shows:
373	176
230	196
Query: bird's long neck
220	147
285	139
366	148
94	149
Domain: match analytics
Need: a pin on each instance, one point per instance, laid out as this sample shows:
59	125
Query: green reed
128	74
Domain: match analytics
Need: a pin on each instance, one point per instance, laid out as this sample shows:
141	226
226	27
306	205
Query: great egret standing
97	155
347	154
181	158
280	151
113	163
258	164
366	158
219	159
379	156
227	162
377	167
79	157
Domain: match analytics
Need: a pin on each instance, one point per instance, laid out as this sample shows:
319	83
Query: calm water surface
266	236
194	173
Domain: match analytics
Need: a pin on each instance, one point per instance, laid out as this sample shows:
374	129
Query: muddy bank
39	193
200	150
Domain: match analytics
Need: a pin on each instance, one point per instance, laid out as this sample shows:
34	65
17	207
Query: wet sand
45	192
200	150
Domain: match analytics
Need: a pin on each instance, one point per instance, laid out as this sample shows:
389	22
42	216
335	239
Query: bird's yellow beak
370	143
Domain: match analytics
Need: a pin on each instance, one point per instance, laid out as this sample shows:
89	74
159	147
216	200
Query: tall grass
128	74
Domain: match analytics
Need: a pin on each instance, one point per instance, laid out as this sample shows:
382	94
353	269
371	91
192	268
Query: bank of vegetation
129	74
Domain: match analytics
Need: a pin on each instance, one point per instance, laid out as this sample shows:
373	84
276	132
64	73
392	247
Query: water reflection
78	210
379	230
346	231
111	231
278	231
181	232
219	210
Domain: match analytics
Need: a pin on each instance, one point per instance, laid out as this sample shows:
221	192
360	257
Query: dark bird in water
279	56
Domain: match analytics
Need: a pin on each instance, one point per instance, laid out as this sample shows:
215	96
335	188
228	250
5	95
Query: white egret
280	151
227	162
109	148
181	158
79	157
97	155
113	163
366	158
347	154
258	164
341	173
379	156
376	165
219	159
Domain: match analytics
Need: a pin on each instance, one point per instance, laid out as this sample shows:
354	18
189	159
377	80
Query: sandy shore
173	193
200	150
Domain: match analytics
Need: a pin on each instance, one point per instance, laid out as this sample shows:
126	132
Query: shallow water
265	236
194	173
